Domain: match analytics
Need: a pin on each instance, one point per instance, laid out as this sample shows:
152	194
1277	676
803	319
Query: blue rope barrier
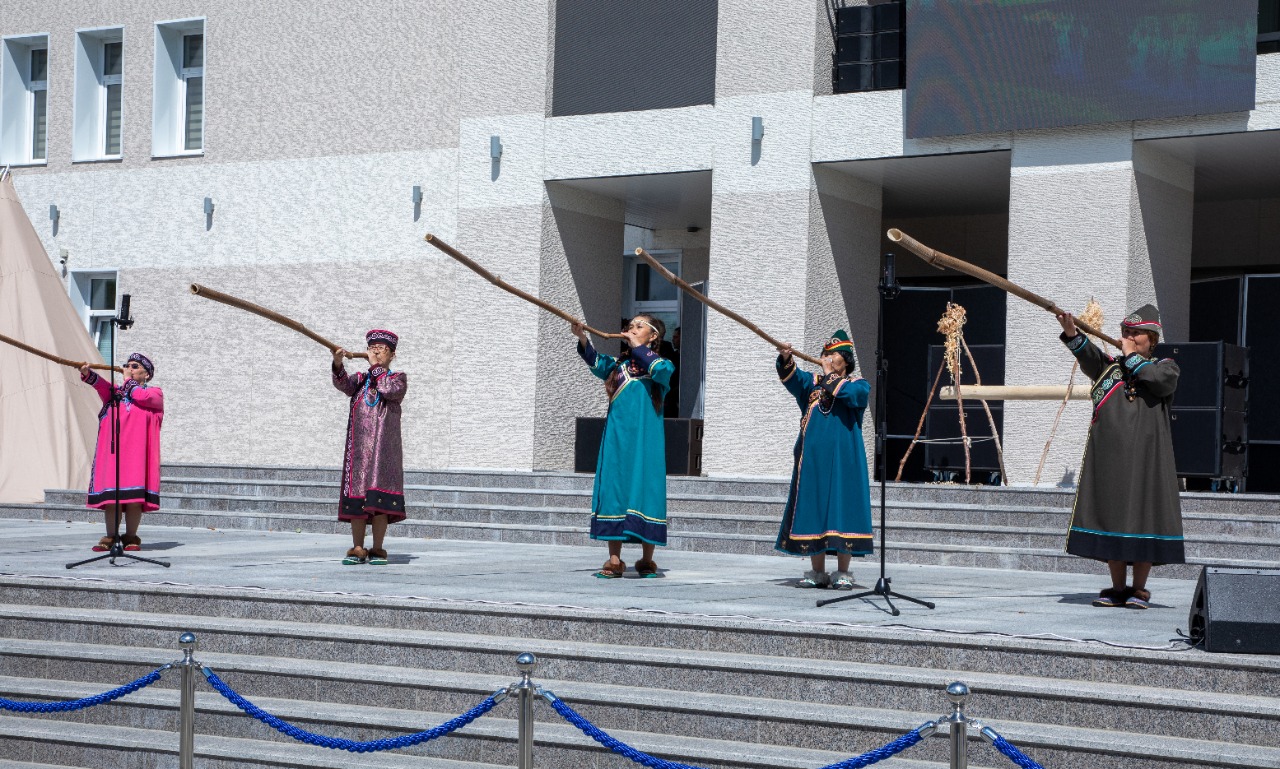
653	762
338	743
67	706
1013	754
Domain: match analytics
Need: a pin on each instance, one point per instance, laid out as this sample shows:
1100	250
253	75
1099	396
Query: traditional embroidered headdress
145	362
839	341
383	336
1145	318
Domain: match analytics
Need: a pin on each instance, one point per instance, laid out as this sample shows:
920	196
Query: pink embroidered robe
141	413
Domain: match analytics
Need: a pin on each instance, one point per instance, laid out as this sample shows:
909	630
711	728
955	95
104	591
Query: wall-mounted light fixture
417	194
495	148
757	129
54	216
208	214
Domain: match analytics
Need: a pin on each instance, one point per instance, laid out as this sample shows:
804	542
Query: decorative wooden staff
505	286
696	294
941	260
227	299
57	359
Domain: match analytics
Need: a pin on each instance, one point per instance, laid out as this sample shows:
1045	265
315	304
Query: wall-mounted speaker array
870	47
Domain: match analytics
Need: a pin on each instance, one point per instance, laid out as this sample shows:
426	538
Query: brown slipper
645	567
355	555
611	571
1111	597
103	545
377	556
132	542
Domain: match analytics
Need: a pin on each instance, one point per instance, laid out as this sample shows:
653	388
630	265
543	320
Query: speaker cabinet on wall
683	445
1237	610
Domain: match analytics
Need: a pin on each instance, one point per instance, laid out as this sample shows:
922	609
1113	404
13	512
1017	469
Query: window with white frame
24	91
99	85
647	292
94	295
178	106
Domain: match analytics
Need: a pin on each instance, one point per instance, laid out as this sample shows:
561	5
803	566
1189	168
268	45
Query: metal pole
187	705
526	663
958	693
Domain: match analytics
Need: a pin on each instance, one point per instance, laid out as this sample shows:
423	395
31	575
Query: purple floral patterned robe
373	462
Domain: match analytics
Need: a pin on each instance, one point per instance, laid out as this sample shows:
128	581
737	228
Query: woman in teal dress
829	505
629	501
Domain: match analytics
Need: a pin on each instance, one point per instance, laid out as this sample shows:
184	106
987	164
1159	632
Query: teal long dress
829	505
629	501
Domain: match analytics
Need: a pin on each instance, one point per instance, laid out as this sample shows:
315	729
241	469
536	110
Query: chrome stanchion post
958	693
526	663
187	703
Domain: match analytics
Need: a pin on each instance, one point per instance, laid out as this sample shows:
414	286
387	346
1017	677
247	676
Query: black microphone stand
121	322
889	289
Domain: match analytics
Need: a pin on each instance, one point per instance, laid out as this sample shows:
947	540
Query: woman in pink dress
141	410
373	463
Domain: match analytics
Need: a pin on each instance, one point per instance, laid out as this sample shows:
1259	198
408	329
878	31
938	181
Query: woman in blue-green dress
629	501
829	505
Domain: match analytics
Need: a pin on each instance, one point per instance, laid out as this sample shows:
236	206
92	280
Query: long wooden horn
675	280
941	260
505	286
272	315
55	358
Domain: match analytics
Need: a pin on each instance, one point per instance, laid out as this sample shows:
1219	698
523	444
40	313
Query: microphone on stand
889	287
123	320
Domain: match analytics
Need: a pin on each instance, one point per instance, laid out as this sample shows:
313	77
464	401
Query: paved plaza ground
969	601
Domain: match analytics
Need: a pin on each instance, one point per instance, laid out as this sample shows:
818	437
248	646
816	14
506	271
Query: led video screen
977	66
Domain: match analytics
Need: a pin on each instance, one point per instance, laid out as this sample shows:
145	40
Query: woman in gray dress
1127	509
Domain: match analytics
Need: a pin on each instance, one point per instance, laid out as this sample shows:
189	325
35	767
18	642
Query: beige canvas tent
48	418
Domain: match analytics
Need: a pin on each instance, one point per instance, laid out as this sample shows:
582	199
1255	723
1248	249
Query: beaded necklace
377	396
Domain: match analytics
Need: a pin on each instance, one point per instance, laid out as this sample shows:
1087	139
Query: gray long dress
1127	506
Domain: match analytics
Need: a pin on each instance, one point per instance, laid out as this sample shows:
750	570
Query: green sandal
377	557
356	556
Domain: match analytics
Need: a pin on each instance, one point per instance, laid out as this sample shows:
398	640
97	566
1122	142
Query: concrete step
98	746
980	547
1020	496
709	715
647	671
1061	659
492	737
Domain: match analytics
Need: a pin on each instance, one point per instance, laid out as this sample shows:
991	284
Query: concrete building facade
320	121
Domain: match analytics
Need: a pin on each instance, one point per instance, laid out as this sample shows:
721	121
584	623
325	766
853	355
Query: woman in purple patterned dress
373	463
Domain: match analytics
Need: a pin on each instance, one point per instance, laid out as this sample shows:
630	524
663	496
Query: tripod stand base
882	590
117	551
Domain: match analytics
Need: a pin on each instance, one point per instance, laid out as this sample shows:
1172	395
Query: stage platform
749	588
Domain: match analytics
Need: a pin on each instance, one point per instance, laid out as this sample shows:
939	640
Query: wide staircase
983	527
734	693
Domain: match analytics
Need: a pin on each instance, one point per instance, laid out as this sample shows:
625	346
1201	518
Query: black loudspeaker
683	445
1237	610
1213	375
869	47
586	444
1209	443
1209	418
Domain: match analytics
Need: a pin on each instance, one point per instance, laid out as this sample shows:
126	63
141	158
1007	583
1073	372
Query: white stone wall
320	120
